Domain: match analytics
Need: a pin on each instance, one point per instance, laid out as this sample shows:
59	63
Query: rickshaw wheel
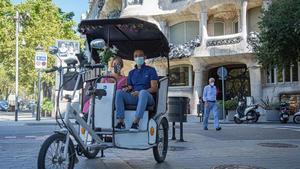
160	151
52	152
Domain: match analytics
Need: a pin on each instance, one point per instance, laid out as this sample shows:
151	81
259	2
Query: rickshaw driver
142	83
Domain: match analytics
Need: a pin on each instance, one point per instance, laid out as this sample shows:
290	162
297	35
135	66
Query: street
235	145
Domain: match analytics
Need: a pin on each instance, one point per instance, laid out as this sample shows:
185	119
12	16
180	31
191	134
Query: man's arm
204	94
154	86
154	81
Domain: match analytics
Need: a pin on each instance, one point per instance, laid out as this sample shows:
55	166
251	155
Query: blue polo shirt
140	79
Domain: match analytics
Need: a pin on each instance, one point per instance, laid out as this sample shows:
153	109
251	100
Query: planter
230	115
272	115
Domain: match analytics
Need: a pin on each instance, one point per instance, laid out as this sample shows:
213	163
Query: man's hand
206	104
135	93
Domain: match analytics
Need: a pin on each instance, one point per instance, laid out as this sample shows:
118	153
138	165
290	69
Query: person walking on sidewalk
210	105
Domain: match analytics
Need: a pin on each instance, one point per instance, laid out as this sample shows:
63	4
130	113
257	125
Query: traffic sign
40	60
222	72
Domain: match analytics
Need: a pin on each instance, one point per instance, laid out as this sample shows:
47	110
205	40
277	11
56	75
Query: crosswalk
24	137
281	127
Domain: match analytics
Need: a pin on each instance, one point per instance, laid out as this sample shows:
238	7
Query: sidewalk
24	118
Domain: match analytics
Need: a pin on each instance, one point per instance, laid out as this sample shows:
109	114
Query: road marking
30	136
10	137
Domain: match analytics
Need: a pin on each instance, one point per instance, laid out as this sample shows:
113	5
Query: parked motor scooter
296	118
284	112
246	113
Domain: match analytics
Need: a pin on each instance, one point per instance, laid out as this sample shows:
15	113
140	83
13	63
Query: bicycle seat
71	61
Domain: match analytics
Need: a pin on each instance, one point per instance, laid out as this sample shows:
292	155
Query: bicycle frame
69	129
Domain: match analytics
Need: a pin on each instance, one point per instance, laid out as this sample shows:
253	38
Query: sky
77	6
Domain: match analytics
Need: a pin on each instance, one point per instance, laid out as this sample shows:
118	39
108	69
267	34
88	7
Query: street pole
17	66
38	113
223	94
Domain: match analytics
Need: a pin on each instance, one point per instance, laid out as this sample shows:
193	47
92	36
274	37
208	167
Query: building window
180	75
134	2
219	28
270	75
283	74
279	74
236	27
294	74
184	32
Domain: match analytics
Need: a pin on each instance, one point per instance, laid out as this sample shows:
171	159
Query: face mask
117	68
212	83
139	60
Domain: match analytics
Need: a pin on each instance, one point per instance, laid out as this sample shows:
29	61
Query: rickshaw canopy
127	35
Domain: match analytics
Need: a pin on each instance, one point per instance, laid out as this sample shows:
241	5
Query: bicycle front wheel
51	154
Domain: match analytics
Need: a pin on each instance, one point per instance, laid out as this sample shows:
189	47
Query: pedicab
96	131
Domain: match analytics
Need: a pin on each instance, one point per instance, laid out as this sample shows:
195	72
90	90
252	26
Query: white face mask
212	83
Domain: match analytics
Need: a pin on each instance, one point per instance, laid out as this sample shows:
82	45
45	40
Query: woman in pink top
116	66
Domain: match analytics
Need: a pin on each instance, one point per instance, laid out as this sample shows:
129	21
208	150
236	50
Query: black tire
160	151
91	154
237	120
283	120
56	138
253	114
296	119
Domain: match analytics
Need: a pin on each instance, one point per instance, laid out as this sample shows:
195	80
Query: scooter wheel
296	119
237	120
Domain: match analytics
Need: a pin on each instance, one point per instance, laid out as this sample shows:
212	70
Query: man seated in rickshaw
142	83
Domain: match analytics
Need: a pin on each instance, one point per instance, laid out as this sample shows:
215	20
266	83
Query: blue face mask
139	61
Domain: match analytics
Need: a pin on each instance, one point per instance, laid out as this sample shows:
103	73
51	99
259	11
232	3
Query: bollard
173	131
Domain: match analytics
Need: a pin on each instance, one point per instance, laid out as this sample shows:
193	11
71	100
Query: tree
6	84
279	40
46	24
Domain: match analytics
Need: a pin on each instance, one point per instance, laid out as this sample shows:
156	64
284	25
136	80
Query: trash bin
178	107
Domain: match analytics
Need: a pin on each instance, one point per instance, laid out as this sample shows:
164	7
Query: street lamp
18	18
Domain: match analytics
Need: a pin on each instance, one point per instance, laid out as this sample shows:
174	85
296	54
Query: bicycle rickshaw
96	132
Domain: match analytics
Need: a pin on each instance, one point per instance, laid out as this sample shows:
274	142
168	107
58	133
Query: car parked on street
3	105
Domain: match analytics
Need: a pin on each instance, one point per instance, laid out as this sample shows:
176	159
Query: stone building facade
204	35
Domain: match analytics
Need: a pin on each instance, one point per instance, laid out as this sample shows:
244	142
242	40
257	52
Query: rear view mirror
53	50
98	44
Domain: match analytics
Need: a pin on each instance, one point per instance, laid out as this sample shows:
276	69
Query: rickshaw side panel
104	106
162	95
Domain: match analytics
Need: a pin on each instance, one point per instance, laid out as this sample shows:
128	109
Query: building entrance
237	83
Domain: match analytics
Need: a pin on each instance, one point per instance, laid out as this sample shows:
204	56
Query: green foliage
231	104
279	40
46	24
228	104
6	84
269	104
106	53
47	105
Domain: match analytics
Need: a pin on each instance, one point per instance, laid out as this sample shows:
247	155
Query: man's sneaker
134	127
218	128
205	128
120	126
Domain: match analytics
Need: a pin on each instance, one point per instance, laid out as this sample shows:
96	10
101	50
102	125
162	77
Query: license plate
285	116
